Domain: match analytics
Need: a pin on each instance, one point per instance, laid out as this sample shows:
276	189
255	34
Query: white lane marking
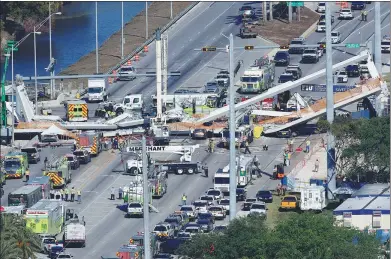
388	24
219	15
207	63
355	18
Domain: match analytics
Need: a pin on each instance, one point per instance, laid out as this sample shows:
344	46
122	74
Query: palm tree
18	238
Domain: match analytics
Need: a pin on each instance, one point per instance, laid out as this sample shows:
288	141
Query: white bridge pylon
282	88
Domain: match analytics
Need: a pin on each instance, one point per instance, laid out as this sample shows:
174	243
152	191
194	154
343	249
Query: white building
369	208
364	213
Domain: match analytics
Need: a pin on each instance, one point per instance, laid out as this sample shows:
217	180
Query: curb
152	38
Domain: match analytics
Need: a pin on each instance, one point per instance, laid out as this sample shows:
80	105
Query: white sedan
225	204
341	76
345	14
258	207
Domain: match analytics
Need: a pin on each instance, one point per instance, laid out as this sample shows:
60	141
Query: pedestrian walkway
304	171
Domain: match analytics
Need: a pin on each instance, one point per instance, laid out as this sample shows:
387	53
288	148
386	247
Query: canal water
73	36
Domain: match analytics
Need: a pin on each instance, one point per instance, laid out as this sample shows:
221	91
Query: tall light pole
122	30
377	49
171	10
52	82
12	96
147	245
232	128
146	20
96	38
330	106
35	72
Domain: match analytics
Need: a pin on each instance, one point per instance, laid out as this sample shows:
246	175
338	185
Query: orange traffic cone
137	57
129	63
145	48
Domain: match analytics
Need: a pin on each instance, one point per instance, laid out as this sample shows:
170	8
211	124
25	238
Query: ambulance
76	111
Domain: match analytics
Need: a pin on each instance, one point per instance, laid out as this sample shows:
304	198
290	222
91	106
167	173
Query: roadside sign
322	88
242	173
352	45
296	4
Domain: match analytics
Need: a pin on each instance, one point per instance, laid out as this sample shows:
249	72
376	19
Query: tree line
305	236
26	13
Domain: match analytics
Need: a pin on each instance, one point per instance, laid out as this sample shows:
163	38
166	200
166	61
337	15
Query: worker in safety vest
27	175
184	199
365	15
78	196
307	146
66	194
73	192
211	146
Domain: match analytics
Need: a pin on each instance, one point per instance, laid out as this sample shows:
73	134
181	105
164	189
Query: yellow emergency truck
45	217
15	165
76	110
58	171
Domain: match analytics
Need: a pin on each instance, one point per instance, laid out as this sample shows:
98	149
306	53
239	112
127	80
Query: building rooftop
373	190
364	205
46	205
26	189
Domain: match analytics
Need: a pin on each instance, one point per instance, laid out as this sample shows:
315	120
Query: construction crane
7	53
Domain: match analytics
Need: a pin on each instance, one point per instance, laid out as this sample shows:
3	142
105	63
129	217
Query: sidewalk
299	177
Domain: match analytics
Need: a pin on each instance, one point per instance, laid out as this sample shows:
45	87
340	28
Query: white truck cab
127	73
335	37
97	89
133	102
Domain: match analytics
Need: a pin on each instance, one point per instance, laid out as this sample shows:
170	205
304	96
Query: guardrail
152	38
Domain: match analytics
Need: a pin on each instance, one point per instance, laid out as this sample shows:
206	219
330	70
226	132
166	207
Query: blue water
73	36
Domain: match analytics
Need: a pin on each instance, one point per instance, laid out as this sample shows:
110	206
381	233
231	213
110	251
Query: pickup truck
47	242
289	202
247	33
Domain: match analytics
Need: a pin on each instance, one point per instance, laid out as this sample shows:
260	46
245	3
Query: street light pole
232	127
96	37
377	49
35	72
12	96
171	10
50	49
146	196
331	181
122	30
146	20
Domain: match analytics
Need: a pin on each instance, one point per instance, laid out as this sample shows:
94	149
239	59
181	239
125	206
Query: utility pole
50	50
96	37
35	72
232	128
264	11
159	73
171	10
330	106
146	20
122	30
165	63
298	14
377	49
289	12
12	97
146	197
271	10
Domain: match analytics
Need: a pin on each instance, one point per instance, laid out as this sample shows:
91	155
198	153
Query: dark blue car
241	194
282	58
219	229
265	196
206	224
358	5
285	78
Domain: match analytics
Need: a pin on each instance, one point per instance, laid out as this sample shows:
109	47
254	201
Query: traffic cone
145	48
129	63
137	57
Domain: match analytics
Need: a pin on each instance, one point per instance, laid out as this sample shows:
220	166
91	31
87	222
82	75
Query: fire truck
90	141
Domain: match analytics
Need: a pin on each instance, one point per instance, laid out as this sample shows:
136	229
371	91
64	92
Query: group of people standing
66	194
